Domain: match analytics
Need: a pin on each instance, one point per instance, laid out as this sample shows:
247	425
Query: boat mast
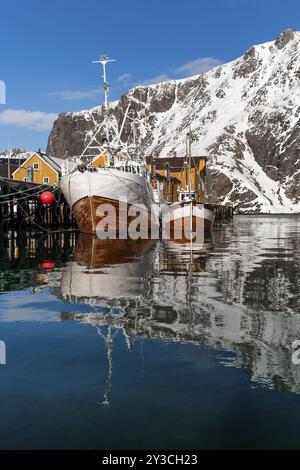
108	383
190	160
190	180
104	60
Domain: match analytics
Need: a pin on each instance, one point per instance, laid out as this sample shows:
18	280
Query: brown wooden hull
95	253
92	213
186	222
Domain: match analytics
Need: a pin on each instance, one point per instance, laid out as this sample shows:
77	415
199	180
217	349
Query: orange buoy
46	198
48	265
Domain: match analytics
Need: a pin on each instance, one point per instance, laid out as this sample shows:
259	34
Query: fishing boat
189	217
108	198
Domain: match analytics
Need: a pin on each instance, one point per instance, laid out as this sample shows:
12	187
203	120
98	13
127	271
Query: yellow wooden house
100	161
177	167
39	168
172	174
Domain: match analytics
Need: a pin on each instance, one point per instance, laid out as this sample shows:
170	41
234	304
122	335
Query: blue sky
47	48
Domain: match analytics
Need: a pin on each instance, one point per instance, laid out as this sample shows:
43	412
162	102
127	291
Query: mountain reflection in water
191	347
237	292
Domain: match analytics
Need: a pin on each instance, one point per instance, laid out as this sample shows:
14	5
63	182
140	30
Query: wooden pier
21	209
223	213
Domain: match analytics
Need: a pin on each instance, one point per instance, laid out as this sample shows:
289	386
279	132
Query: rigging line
36	224
91	200
23	191
62	178
93	137
123	182
6	180
69	184
29	197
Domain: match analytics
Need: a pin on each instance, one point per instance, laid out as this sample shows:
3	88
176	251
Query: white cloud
197	66
2	92
34	120
157	79
125	78
76	95
188	69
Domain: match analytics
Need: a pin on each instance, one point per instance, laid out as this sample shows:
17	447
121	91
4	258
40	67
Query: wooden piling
21	209
223	213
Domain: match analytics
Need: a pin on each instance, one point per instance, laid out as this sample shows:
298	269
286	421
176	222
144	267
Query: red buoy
46	198
48	265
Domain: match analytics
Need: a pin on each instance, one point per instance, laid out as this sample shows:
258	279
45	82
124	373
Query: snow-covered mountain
245	117
20	154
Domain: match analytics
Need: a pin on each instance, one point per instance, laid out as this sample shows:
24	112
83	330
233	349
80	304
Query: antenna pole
105	84
190	179
104	60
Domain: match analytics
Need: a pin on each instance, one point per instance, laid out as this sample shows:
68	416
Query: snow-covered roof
55	162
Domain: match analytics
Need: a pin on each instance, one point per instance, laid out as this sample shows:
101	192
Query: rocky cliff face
245	116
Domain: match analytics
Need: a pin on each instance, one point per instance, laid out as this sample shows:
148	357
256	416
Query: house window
46	179
36	166
25	179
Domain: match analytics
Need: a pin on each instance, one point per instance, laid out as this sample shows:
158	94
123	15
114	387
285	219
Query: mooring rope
11	196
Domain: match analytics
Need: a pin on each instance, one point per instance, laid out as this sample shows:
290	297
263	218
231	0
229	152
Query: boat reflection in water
235	294
106	273
122	281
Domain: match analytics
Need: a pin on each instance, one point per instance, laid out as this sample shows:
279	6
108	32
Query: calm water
147	345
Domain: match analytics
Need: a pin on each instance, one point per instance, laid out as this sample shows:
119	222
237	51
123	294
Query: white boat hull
182	218
86	191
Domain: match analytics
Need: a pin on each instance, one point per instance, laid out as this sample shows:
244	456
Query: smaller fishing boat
189	217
